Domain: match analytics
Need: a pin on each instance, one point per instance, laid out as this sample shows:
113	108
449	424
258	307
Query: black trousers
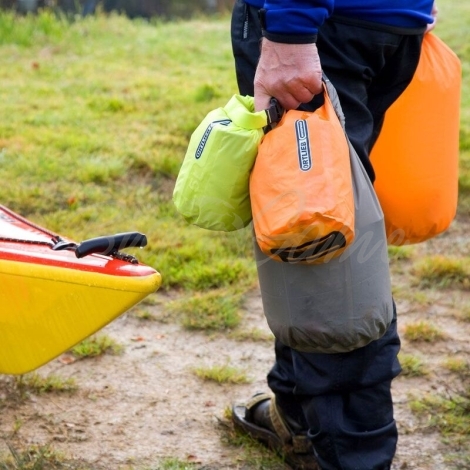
343	399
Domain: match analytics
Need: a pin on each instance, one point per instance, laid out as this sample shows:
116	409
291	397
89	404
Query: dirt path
147	404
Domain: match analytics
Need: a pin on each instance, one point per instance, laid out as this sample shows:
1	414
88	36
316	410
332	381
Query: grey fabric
344	303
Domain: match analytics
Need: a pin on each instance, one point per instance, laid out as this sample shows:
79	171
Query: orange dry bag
301	190
416	155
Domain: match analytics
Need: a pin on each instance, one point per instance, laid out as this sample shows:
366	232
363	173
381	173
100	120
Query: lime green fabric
212	188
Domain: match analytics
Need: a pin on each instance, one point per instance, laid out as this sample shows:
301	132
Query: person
89	7
329	411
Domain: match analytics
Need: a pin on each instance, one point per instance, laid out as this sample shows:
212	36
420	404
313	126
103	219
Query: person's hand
434	13
291	73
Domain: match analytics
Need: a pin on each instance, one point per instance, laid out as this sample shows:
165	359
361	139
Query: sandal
261	419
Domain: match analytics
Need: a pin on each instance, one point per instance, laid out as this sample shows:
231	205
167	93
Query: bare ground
133	410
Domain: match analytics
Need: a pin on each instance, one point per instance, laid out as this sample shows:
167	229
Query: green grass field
95	120
96	116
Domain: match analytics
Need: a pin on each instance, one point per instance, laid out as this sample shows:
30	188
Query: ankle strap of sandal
299	442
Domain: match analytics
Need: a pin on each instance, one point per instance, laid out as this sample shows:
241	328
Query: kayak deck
51	300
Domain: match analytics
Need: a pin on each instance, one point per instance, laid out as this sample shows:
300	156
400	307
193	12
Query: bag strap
275	111
274	114
332	95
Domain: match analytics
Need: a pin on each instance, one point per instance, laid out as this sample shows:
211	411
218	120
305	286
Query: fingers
287	101
262	100
291	73
289	96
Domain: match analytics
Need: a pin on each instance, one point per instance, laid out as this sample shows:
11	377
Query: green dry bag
212	188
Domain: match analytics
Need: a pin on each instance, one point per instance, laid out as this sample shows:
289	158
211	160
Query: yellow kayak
54	292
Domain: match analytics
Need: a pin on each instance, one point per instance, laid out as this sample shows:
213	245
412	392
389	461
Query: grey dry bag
344	303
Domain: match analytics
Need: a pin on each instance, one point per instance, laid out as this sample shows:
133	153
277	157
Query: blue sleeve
295	18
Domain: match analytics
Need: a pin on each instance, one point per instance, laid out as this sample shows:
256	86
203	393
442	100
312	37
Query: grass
449	414
400	253
423	331
39	457
37	383
222	374
142	313
457	364
211	311
173	464
92	154
252	334
46	457
97	345
466	312
77	138
412	366
32	458
441	271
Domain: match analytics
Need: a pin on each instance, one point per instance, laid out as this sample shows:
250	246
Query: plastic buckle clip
274	114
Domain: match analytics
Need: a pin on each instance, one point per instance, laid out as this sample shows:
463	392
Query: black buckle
274	114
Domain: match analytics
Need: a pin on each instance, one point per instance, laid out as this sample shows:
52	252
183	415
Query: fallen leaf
137	338
67	359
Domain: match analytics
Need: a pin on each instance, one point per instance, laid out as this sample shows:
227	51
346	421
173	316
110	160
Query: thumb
262	100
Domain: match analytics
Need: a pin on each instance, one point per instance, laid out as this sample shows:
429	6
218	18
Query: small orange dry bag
301	190
416	155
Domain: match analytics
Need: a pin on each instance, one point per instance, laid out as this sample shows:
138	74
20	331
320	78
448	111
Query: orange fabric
417	153
301	190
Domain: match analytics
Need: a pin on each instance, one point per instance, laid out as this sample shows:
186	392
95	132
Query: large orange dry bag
416	155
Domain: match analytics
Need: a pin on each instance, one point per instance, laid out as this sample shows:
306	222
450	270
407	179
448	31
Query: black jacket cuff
284	38
291	38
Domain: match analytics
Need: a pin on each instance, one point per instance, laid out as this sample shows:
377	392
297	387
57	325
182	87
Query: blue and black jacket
297	21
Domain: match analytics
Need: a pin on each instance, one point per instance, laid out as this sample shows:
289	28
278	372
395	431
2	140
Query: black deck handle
110	244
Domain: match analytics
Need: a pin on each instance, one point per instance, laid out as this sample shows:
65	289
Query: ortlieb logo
205	136
303	145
